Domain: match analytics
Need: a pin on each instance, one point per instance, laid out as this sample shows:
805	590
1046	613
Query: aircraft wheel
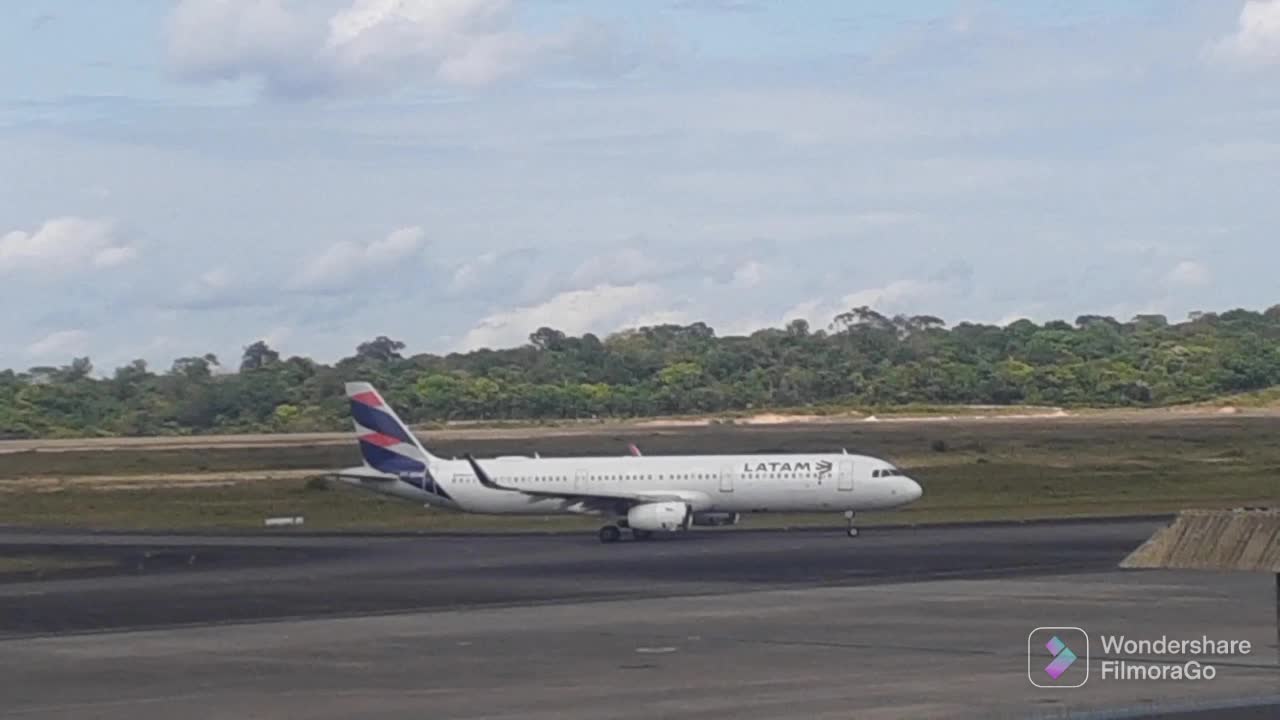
610	533
853	532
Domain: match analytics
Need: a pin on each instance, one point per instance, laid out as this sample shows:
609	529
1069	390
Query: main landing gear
852	531
613	533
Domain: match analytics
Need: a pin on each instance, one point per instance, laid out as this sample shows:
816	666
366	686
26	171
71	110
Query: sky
188	176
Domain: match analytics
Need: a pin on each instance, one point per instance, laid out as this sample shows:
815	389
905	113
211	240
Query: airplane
644	494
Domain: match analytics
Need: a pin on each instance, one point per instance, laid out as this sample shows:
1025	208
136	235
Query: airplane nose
913	490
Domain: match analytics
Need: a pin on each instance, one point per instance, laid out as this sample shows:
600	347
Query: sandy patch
779	419
671	422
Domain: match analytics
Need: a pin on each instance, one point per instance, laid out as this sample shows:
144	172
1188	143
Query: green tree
867	359
257	356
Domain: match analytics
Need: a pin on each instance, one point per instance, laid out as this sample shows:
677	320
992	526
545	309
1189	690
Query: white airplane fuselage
707	483
643	493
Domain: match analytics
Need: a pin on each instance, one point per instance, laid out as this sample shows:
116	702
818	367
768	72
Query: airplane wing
602	500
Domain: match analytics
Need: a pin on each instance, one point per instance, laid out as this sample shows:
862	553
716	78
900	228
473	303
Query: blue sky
186	177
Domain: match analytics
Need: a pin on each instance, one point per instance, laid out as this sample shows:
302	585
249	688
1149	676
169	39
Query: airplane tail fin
386	444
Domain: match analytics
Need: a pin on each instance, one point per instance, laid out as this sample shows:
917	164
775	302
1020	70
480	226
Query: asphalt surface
159	581
928	622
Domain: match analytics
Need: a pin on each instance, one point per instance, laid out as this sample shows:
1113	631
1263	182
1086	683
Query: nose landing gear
852	531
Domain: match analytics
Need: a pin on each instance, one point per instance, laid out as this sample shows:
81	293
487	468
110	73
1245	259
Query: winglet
483	476
634	450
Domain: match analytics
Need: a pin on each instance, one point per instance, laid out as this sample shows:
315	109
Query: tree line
863	359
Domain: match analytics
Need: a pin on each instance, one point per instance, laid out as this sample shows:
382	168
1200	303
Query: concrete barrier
283	521
1246	540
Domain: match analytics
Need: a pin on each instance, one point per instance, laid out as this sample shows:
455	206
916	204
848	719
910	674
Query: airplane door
726	478
580	481
844	480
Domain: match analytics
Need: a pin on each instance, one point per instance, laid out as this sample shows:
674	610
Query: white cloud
623	266
113	256
467	42
660	317
220	289
804	311
713	263
517	275
61	343
64	244
1013	317
467	274
898	296
815	312
901	296
345	263
227	39
1188	273
368	44
1257	39
748	274
599	309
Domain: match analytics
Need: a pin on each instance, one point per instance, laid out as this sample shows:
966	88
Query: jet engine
715	519
660	517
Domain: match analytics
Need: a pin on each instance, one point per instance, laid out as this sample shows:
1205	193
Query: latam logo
821	467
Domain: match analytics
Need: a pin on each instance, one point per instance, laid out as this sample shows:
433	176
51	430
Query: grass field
971	470
35	564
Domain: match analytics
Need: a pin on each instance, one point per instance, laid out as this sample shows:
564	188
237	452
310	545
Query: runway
908	622
172	580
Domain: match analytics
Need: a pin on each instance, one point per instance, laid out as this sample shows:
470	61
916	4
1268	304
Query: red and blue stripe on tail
386	443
